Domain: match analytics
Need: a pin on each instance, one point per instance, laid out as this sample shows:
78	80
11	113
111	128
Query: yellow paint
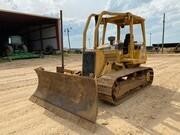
106	57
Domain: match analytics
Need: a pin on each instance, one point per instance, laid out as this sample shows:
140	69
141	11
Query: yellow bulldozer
110	70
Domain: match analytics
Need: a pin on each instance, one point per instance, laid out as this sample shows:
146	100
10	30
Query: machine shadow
70	123
141	109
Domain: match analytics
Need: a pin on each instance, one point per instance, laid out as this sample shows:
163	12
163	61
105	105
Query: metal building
38	32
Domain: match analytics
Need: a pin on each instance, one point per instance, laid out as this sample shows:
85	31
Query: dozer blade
74	94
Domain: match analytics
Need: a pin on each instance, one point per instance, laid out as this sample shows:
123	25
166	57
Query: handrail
100	16
85	30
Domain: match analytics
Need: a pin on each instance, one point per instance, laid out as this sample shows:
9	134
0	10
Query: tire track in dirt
18	84
20	110
16	89
13	103
14	96
31	118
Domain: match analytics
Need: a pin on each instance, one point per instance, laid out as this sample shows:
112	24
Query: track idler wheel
149	76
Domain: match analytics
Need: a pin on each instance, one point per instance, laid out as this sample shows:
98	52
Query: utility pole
67	30
163	32
150	37
62	43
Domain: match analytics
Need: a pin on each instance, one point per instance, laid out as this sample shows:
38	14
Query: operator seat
126	43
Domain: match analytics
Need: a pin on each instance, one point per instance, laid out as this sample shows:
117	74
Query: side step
69	96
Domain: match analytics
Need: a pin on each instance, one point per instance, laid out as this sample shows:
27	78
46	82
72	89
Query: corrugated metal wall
45	34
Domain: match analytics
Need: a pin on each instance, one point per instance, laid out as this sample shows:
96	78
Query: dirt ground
153	110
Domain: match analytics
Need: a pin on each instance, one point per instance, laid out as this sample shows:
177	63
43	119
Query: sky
75	13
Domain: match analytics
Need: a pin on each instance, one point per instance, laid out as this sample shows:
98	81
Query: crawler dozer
110	70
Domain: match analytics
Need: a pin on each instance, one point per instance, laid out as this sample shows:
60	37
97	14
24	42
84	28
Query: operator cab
120	32
121	46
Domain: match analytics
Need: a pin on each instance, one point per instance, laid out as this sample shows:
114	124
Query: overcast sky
76	11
